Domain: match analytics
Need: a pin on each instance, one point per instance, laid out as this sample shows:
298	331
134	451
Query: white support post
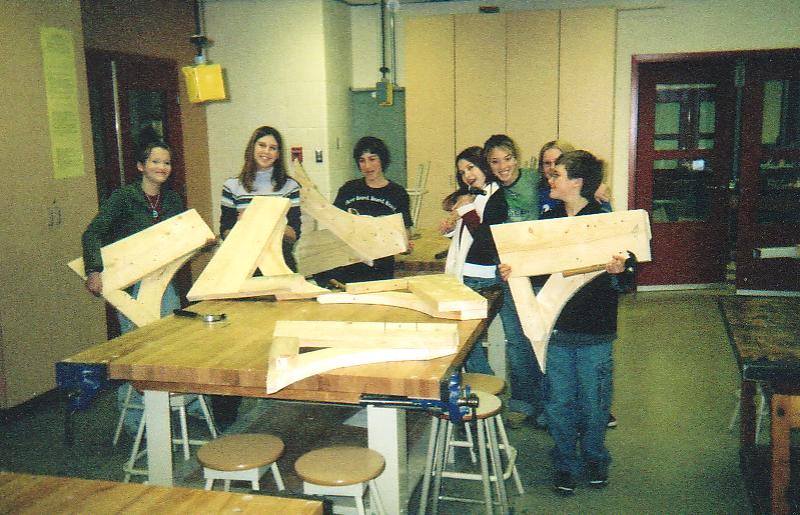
159	437
387	434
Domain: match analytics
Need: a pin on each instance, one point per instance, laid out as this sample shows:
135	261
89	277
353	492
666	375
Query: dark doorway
717	166
133	98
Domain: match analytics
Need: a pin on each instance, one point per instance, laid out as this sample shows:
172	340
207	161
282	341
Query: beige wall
546	76
45	313
288	65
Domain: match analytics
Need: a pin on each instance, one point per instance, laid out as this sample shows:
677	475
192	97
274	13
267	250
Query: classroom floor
675	384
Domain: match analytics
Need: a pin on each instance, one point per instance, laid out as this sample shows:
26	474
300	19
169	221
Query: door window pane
780	192
781	118
685	117
147	116
680	190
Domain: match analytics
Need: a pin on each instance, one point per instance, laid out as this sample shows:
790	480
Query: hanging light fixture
384	89
203	81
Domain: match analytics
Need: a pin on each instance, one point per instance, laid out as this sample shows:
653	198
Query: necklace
154	205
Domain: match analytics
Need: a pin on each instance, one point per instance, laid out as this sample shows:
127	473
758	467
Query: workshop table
33	494
765	336
187	355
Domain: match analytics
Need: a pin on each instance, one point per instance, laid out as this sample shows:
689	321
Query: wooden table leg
785	416
747	415
387	435
159	437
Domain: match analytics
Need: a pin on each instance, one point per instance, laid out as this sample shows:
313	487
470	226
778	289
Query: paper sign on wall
61	88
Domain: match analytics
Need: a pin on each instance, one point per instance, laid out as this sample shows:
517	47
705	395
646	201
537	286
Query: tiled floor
675	384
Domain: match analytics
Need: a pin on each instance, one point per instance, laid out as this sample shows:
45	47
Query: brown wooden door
132	99
769	206
683	167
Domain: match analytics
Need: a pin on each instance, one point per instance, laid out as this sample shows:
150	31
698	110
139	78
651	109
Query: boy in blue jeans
579	355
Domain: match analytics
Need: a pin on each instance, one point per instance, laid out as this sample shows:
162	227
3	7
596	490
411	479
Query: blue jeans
477	361
525	376
579	377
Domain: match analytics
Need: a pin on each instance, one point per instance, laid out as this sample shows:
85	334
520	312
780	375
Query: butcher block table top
24	493
230	357
765	336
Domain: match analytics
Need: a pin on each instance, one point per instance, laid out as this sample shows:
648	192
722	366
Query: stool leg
184	431
439	458
487	492
276	474
122	414
429	458
227	485
209	484
510	453
497	464
468	429
360	504
134	451
376	496
208	415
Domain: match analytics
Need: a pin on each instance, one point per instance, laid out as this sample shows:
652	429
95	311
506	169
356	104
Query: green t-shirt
522	197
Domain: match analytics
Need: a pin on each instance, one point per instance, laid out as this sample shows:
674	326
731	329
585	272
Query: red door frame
684	252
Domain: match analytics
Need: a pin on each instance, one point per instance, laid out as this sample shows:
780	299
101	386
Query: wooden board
401	300
351	343
254	243
151	257
580	245
547	246
33	494
367	237
439	295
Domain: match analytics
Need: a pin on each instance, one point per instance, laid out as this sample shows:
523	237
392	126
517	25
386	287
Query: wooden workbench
230	358
29	494
765	336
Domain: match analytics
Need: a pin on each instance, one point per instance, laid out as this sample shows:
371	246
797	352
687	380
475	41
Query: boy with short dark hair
579	355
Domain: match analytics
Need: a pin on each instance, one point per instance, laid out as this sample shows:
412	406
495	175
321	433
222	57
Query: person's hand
617	264
94	283
463	200
209	245
504	270
603	193
289	235
449	223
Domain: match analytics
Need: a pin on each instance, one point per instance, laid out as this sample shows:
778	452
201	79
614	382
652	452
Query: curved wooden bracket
555	247
437	295
254	243
347	344
150	257
342	238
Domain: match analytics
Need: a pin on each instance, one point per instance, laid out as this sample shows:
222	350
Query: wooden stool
177	402
243	457
483	382
488	422
343	471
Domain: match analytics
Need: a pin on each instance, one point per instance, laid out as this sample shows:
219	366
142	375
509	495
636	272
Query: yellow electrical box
204	82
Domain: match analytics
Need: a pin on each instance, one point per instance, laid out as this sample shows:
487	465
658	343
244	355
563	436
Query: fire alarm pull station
297	153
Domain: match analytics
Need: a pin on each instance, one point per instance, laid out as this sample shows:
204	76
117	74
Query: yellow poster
61	88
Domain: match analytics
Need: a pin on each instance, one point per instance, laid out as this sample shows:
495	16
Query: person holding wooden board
579	353
128	210
478	203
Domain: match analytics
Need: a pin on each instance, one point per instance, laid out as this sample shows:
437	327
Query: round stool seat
488	406
339	466
483	382
240	452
